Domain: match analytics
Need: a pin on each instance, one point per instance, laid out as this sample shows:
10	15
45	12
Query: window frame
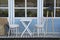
55	7
26	8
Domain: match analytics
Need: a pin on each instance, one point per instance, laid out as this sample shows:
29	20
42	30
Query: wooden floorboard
29	38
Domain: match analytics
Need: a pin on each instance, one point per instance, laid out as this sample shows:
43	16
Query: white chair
12	27
40	28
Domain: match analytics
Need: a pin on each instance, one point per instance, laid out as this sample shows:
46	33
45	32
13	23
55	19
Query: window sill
25	17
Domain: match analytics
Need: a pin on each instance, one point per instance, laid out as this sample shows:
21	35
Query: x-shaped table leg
26	28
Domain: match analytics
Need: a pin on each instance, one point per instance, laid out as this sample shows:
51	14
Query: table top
25	19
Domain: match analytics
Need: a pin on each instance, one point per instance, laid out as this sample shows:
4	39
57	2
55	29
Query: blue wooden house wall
33	29
34	21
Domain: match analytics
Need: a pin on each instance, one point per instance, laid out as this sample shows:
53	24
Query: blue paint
34	21
21	27
57	25
49	27
32	25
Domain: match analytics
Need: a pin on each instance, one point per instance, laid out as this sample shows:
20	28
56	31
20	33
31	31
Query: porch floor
34	35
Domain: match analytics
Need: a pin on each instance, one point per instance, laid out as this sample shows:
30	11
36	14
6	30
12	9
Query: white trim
25	18
3	7
54	8
45	7
10	6
31	7
42	8
19	8
51	18
38	11
13	11
9	9
58	7
25	8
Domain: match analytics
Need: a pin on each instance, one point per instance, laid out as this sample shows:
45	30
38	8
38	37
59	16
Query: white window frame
25	11
11	9
54	11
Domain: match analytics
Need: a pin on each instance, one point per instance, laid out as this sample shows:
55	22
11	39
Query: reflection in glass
19	13
32	13
57	12
32	3
49	13
19	3
3	13
3	3
48	3
58	3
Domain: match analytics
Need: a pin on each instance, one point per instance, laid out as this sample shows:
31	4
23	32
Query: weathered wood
3	22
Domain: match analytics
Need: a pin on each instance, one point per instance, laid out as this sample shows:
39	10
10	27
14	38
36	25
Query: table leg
26	28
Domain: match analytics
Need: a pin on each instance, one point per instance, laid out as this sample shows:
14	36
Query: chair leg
43	32
16	32
38	32
9	33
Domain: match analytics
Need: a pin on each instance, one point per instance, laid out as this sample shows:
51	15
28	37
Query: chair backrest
8	21
43	21
12	25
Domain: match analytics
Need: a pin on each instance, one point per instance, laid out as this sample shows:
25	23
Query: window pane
32	13
57	12
32	3
50	13
19	3
3	13
19	13
3	3
48	3
58	3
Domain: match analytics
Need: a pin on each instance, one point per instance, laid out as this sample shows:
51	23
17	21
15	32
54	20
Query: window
57	12
58	3
19	13
48	8
19	3
25	8
32	3
3	13
57	8
32	13
51	7
3	8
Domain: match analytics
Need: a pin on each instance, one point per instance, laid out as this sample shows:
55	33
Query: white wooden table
26	26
